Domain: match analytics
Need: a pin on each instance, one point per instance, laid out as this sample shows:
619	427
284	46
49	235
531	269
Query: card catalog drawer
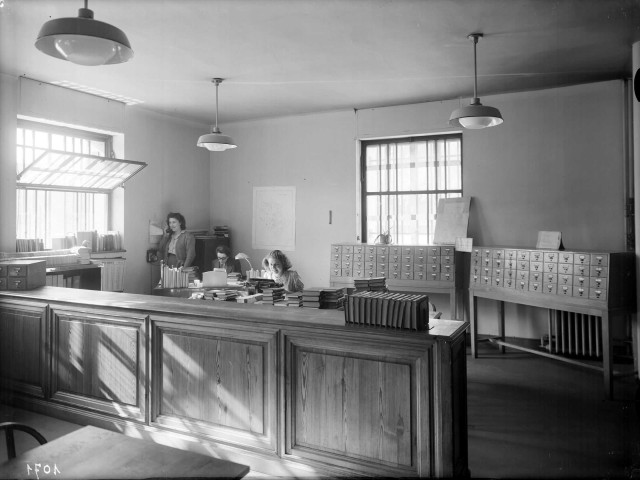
550	257
498	253
600	259
594	271
395	250
447	251
535	287
446	277
565	257
536	276
382	250
524	255
598	283
509	283
551	278
550	288
536	256
551	267
597	294
580	281
536	266
580	291
447	259
566	290
565	268
336	249
359	249
565	279
432	250
347	249
433	259
511	254
522	285
581	259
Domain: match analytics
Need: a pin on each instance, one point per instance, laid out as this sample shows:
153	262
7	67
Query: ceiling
290	57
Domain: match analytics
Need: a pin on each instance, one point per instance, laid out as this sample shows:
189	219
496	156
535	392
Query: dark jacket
185	248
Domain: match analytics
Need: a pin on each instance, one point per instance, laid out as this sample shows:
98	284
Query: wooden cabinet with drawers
407	268
583	291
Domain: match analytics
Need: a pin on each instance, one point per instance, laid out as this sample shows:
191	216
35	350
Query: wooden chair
9	428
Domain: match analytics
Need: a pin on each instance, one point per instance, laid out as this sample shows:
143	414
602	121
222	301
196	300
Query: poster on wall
274	218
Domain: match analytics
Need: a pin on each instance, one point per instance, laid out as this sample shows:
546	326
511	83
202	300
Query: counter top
222	310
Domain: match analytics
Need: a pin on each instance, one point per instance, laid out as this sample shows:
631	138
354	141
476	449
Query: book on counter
388	310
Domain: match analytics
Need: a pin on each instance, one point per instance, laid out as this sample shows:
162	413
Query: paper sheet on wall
452	220
274	218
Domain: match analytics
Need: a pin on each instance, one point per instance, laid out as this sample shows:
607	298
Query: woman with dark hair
278	268
226	261
177	247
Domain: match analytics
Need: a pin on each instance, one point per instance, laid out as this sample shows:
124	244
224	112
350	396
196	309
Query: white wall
555	164
315	154
176	178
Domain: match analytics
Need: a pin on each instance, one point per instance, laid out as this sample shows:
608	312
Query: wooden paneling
287	390
218	381
368	416
367	403
99	361
23	334
213	380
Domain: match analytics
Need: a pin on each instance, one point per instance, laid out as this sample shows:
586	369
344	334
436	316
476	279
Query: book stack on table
373	284
225	295
389	310
293	299
332	298
311	297
272	295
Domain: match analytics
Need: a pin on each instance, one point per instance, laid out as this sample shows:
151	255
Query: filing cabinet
596	276
22	274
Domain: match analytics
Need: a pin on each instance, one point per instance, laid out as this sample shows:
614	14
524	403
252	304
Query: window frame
396	140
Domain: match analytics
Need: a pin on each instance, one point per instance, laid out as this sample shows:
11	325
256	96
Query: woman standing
177	247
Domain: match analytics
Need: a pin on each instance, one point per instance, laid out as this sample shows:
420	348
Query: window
64	181
401	182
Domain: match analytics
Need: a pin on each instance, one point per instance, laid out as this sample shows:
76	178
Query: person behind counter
177	247
226	261
278	268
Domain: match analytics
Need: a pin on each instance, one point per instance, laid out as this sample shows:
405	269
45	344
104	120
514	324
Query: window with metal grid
402	180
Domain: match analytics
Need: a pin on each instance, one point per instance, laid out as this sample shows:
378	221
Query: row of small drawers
573	258
498	277
591	291
347	259
395	267
421	251
540	268
447	276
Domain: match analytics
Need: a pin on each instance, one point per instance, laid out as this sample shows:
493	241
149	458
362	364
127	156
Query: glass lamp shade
84	41
216	142
475	116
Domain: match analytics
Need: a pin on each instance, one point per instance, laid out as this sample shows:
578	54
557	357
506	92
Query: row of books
390	310
97	242
29	244
373	284
60	280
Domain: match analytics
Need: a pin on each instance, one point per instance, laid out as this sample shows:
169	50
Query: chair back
10	427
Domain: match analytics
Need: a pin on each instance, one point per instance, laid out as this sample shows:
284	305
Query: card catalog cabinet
395	262
593	276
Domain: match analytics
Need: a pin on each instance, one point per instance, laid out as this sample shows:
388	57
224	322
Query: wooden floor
529	417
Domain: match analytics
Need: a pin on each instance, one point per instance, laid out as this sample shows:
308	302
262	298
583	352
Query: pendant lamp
215	141
83	40
476	115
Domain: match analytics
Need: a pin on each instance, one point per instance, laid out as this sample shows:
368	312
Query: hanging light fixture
476	115
83	40
215	141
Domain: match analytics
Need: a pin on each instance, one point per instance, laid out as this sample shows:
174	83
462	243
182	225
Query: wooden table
92	452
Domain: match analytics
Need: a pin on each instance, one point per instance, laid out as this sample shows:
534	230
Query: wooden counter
289	391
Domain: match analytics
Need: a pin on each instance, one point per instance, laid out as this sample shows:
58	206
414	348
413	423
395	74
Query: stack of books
311	297
262	283
389	310
373	284
225	295
332	298
293	299
272	295
221	231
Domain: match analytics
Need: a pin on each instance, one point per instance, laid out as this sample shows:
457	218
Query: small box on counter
22	274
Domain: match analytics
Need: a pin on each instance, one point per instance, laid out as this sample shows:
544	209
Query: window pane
413	175
48	214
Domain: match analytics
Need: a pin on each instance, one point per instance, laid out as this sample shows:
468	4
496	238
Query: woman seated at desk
226	261
278	268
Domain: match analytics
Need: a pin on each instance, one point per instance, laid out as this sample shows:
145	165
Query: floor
528	417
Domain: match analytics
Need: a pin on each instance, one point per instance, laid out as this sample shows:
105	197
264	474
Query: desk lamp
244	256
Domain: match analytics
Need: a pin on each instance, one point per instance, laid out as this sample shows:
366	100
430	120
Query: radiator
112	273
574	334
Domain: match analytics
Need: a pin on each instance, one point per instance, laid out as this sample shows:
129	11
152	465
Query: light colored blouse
289	279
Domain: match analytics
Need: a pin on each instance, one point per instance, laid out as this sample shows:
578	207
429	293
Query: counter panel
216	380
23	334
99	361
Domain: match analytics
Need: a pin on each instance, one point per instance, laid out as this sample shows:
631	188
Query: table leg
501	324
453	303
607	354
473	305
